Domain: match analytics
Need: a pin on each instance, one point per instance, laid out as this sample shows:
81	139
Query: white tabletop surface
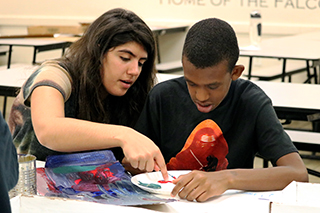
230	201
4	49
64	38
310	35
15	76
305	136
292	95
290	47
29	41
304	46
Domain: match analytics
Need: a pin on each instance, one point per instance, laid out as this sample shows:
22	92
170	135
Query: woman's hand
127	166
141	153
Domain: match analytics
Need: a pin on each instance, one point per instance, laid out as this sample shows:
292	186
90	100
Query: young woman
90	98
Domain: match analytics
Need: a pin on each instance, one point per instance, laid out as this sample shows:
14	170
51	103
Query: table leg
158	49
4	106
308	73
315	75
250	67
9	57
283	69
316	126
313	172
34	55
319	72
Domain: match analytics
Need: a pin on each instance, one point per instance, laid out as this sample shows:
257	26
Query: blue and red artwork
91	176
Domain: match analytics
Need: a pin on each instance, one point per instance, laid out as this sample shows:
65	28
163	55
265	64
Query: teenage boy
214	123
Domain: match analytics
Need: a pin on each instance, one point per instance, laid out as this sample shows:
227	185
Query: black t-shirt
246	118
9	169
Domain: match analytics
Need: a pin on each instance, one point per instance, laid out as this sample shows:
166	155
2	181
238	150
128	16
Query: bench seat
303	140
273	72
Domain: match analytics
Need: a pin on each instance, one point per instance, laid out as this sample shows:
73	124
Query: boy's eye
212	87
191	84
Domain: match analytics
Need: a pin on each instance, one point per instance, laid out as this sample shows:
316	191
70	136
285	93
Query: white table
248	202
285	95
232	200
294	101
39	45
310	35
11	81
296	96
302	47
158	30
3	50
8	79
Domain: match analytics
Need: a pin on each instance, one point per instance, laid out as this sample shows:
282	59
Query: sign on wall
286	4
277	15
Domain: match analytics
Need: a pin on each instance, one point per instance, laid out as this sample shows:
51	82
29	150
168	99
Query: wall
279	17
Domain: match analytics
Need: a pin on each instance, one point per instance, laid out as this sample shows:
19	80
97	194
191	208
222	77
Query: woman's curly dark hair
83	61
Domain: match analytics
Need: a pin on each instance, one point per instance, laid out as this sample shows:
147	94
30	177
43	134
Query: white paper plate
141	180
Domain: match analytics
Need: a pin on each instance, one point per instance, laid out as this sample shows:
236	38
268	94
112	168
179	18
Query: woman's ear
236	72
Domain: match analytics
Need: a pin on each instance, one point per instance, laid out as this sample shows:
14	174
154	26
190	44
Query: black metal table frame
37	49
284	74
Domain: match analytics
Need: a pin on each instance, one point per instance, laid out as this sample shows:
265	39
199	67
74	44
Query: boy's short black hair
210	41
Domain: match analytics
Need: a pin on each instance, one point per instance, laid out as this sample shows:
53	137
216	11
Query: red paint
163	181
77	181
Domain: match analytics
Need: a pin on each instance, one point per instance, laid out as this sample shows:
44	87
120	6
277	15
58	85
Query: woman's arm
59	133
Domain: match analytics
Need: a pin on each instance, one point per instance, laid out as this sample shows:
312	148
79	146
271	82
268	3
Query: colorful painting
91	176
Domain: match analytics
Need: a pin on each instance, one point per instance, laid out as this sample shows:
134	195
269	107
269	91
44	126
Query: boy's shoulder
244	84
246	90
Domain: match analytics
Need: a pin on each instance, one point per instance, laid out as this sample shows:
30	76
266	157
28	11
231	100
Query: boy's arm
200	186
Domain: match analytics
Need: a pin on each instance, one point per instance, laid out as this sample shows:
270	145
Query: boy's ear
236	72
